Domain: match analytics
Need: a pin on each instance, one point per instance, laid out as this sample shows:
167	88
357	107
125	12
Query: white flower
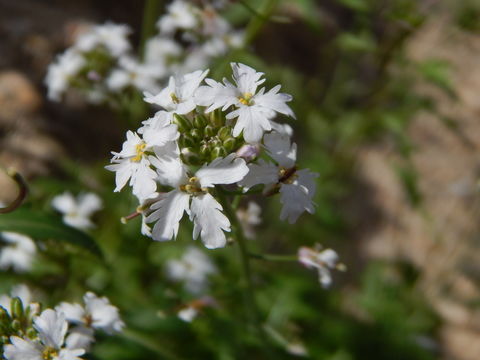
187	314
323	261
161	51
204	210
98	314
18	251
249	217
178	96
51	328
61	72
253	109
180	15
193	268
297	187
132	163
77	211
131	73
114	37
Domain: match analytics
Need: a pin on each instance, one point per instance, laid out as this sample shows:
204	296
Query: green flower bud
204	150
16	325
31	333
190	157
229	143
216	118
224	132
182	122
217	152
16	307
215	142
209	131
185	140
200	121
196	134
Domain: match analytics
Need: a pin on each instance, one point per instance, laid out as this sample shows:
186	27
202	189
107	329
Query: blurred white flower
77	211
113	37
322	260
187	314
253	110
16	251
181	15
162	52
24	294
193	269
130	72
297	187
249	218
62	71
51	328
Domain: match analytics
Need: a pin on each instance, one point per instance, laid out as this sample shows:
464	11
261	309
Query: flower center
287	176
140	150
193	187
49	353
246	99
88	320
174	98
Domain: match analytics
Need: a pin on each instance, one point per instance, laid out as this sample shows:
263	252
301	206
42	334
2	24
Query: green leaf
44	227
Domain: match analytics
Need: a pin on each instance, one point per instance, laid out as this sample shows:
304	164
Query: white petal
74	313
167	214
64	203
67	354
262	173
104	315
226	170
51	327
208	220
143	180
170	169
252	120
280	148
80	337
88	204
123	171
22	350
274	101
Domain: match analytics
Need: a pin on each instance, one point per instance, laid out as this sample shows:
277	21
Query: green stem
273	257
150	16
261	17
241	241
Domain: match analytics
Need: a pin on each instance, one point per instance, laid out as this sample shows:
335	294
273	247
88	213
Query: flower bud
216	118
224	132
196	134
185	140
190	157
229	143
248	152
182	122
16	307
218	151
204	150
209	131
16	325
200	121
215	142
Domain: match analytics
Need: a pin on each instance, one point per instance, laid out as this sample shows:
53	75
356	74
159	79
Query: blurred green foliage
344	62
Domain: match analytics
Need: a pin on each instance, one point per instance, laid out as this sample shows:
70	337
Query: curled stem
22	191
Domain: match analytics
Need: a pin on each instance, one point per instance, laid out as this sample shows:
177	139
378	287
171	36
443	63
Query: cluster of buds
101	63
63	333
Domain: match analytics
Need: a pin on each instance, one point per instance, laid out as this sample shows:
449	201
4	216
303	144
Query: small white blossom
187	314
162	51
178	96
180	15
131	73
77	211
132	162
205	212
322	260
253	109
51	328
249	218
193	268
61	72
113	37
16	251
297	187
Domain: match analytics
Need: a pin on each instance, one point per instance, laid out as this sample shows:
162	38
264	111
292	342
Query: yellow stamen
49	353
246	98
140	150
174	97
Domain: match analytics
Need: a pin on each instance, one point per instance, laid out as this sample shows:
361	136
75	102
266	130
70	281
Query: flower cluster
323	260
101	63
208	138
26	332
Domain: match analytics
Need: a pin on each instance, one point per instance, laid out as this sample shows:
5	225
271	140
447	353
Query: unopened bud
31	333
182	122
185	140
209	131
190	157
224	132
216	118
200	121
217	152
4	317
204	150
229	143
215	142
16	325
248	152
16	307
196	134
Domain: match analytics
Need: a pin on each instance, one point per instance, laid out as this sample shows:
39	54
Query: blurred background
386	96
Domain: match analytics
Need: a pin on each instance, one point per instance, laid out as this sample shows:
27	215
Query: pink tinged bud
248	152
94	76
